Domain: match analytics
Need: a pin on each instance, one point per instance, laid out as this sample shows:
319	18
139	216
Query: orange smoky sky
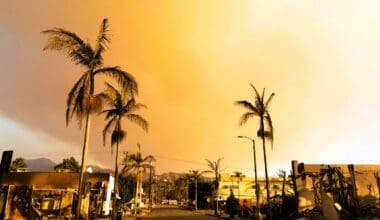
192	60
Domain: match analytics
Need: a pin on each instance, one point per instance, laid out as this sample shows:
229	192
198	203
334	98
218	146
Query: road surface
177	213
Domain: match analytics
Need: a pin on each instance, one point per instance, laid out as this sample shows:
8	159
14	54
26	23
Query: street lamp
255	167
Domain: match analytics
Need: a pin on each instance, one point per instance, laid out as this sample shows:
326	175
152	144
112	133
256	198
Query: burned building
337	189
34	195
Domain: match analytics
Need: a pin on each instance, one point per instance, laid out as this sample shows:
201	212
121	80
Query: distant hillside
47	165
40	164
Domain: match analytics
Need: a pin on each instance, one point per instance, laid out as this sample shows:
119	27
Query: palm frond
211	165
247	105
149	158
135	162
218	162
139	121
111	91
70	44
105	100
123	78
262	96
110	113
127	107
244	118
268	120
115	97
254	89
268	101
102	40
136	107
80	105
268	135
107	128
71	105
117	136
64	34
96	103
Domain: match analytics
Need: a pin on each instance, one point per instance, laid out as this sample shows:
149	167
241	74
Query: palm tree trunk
256	184
266	168
137	188
116	186
83	168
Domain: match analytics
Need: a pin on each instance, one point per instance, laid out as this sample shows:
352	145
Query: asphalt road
177	213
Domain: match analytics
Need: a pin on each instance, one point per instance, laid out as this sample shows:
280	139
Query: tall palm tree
239	177
215	168
121	107
196	175
260	108
81	101
138	164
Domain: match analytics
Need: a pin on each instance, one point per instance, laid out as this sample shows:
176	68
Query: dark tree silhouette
69	164
18	164
120	108
81	100
215	168
260	108
239	177
138	164
195	176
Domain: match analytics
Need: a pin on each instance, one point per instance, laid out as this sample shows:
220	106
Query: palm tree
260	108
138	164
187	178
239	177
215	168
195	175
81	100
122	107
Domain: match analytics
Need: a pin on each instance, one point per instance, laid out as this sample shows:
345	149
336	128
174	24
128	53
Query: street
178	213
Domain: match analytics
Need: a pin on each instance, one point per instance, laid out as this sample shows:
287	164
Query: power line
181	160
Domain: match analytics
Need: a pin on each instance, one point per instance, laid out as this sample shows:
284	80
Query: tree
18	164
215	168
180	187
260	109
137	164
69	164
282	174
239	177
126	187
81	101
121	107
195	175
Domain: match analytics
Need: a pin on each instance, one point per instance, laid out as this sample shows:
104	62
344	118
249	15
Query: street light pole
255	167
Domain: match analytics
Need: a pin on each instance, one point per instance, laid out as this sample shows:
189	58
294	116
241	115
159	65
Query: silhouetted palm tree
138	164
239	177
81	100
187	178
120	108
195	175
259	108
215	168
